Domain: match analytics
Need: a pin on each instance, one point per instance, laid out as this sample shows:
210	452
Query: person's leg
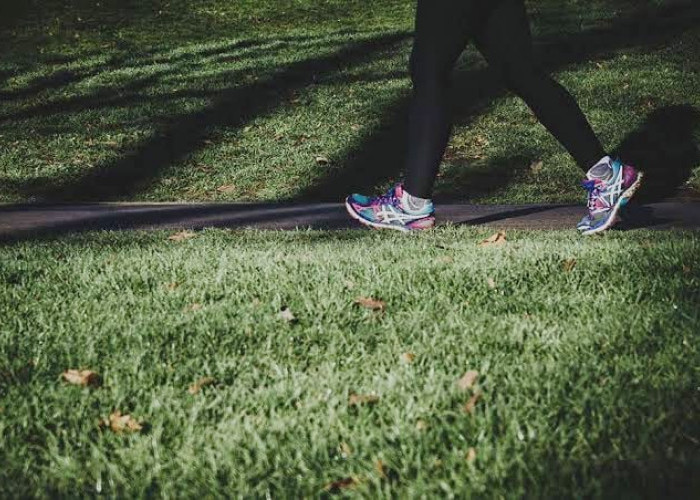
442	32
505	41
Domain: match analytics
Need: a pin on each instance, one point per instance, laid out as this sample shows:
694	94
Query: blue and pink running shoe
610	185
390	211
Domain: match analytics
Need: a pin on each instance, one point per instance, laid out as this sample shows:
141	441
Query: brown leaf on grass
445	259
470	405
686	269
172	286
226	188
568	265
199	384
381	468
341	484
468	380
287	315
182	236
496	239
362	399
421	425
193	307
408	358
536	166
84	378
345	450
491	283
471	455
119	423
370	303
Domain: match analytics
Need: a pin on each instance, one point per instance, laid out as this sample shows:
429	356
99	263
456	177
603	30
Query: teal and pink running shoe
390	211
610	185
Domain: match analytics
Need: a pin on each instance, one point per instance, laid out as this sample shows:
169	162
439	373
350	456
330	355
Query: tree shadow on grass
372	160
235	51
379	157
231	108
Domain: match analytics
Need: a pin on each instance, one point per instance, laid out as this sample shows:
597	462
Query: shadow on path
38	221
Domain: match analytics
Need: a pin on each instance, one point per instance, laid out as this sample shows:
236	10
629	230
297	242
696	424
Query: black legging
501	31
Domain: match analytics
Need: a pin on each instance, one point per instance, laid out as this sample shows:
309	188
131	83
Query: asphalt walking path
29	221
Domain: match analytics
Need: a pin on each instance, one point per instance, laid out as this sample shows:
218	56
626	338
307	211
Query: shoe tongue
603	171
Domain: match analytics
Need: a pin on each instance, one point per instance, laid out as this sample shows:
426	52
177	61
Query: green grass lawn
588	373
268	100
586	349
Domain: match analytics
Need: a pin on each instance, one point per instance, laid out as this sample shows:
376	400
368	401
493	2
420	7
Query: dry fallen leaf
471	404
226	188
468	380
193	307
491	283
286	314
497	239
445	259
182	235
362	399
199	384
122	423
370	303
536	166
345	450
172	286
341	484
421	425
568	265
408	357
686	269
471	455
85	378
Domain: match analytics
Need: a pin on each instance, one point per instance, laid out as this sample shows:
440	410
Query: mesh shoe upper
390	209
606	184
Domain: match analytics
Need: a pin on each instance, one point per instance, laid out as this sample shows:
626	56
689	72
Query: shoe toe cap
359	199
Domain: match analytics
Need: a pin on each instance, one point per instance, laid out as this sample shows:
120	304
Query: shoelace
389	198
593	194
